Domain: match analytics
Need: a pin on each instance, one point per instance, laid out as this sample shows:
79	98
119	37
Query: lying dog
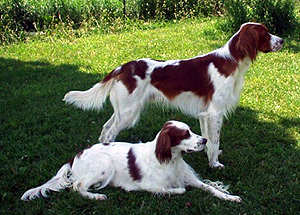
206	87
155	166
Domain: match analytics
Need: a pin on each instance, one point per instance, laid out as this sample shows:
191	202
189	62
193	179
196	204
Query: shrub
278	15
15	18
173	9
20	16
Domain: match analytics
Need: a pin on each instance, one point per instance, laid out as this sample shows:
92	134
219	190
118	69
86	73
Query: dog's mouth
198	149
189	151
276	47
277	44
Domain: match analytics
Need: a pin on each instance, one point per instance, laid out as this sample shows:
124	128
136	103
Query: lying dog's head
177	137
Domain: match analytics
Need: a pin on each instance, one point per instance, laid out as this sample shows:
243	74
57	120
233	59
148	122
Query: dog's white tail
92	98
59	182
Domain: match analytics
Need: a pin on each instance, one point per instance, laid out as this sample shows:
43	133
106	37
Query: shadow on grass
39	133
36	127
263	155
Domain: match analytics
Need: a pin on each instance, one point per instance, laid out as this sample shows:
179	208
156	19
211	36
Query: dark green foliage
173	9
20	16
278	15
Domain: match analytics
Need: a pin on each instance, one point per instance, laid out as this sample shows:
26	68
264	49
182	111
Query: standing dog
155	166
207	87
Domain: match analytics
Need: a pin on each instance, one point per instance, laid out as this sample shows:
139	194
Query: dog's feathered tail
92	98
59	182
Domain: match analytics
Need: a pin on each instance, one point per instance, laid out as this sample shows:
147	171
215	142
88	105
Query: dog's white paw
217	164
100	197
180	190
235	199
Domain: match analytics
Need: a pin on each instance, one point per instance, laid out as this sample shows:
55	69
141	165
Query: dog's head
254	38
176	137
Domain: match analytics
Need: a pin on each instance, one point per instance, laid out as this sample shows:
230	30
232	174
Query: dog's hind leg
122	120
211	123
96	173
127	108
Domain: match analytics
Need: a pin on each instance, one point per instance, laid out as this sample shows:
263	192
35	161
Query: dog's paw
217	164
235	199
100	197
180	190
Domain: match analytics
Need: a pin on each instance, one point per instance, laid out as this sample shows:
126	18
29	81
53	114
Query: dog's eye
186	134
266	34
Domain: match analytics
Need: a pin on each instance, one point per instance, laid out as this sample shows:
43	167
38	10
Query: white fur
92	98
102	164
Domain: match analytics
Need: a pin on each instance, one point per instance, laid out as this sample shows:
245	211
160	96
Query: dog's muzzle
276	43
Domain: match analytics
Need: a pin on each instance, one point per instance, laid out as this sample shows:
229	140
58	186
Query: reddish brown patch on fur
225	67
169	137
189	76
251	39
71	161
134	169
127	72
264	44
81	152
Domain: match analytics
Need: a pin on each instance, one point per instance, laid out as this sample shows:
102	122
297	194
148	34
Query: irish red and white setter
156	166
207	87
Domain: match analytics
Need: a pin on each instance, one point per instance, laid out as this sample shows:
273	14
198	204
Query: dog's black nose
204	141
281	41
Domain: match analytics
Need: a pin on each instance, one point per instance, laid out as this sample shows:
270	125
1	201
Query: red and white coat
156	166
206	87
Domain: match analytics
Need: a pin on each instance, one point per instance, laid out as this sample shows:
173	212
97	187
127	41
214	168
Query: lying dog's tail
92	98
59	182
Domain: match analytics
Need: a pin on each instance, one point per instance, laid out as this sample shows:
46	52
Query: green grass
39	133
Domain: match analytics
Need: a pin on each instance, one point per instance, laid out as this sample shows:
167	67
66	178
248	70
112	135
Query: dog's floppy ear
248	41
163	147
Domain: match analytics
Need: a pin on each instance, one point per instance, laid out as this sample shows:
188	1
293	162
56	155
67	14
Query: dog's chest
227	90
166	175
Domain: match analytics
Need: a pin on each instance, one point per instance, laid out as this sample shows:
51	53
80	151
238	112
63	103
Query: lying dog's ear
163	147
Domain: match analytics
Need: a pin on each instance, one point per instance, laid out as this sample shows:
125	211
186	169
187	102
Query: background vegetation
278	15
20	17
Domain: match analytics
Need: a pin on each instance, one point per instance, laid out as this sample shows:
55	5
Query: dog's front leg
210	123
165	190
179	190
192	180
106	127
